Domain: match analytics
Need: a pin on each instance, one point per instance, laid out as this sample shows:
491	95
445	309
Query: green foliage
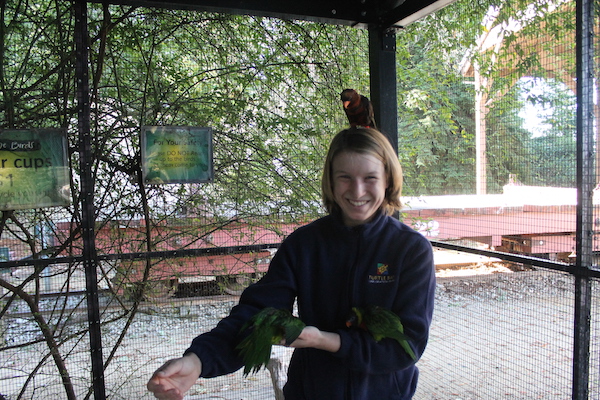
436	120
268	88
514	39
554	161
36	74
553	150
506	143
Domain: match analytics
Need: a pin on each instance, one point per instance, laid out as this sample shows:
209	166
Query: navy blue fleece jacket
330	268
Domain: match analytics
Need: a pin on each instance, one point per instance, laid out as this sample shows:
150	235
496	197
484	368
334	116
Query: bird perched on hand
268	327
380	323
358	109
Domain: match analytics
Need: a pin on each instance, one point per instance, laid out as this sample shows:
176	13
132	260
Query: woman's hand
311	336
175	377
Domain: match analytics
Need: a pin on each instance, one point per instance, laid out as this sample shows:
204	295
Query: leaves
268	88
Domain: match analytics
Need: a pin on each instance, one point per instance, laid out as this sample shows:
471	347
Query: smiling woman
357	256
359	185
361	160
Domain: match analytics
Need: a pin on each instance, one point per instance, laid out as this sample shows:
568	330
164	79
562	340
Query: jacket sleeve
216	348
413	303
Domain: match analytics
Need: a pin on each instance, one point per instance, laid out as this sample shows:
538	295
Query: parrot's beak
346	104
350	322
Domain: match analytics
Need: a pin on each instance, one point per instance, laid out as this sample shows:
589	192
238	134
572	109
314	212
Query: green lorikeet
268	327
380	323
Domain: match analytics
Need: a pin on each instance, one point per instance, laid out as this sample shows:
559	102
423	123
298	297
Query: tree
269	89
436	123
520	39
552	148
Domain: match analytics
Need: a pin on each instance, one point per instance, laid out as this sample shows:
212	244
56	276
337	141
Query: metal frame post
87	197
382	66
586	181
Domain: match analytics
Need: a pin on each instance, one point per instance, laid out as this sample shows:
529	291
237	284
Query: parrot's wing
269	326
293	329
385	323
388	333
406	346
289	327
255	349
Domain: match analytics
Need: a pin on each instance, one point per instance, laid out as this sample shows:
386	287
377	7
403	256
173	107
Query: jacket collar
370	228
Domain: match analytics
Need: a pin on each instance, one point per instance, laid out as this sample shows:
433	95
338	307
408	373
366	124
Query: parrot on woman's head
268	327
380	323
358	109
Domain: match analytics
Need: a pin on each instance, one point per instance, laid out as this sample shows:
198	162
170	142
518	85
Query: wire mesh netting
501	336
488	136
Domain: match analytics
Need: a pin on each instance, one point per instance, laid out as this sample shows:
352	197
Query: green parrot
268	327
380	323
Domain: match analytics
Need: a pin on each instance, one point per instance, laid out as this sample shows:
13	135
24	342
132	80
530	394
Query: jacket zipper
350	288
353	268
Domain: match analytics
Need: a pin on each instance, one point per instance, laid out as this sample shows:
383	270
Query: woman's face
359	184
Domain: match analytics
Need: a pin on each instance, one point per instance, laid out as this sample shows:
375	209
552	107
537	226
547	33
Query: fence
500	174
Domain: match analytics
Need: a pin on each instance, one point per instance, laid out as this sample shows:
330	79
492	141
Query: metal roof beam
360	13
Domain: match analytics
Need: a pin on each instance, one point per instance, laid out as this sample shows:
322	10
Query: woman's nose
357	187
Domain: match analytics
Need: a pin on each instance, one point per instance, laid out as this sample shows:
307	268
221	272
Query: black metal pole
382	67
87	197
586	181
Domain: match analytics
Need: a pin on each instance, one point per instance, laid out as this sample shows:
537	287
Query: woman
357	255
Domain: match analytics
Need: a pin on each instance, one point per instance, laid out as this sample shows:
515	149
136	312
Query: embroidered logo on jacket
382	274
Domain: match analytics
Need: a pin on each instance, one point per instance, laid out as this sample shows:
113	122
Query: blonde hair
364	141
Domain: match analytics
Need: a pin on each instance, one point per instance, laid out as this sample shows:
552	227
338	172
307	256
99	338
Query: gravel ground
495	335
503	336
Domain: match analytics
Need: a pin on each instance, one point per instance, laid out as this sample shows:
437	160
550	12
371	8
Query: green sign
173	154
34	170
